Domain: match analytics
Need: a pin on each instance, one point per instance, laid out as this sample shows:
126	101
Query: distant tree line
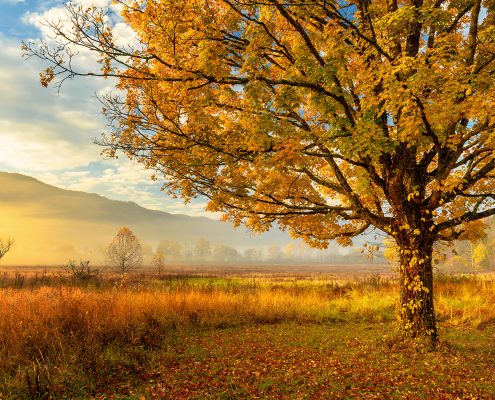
476	252
126	253
203	251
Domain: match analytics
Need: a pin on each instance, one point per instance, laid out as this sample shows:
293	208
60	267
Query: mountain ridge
44	218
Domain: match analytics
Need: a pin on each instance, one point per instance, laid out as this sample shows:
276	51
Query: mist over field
51	225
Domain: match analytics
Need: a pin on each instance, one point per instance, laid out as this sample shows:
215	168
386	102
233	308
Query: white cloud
38	129
124	35
25	150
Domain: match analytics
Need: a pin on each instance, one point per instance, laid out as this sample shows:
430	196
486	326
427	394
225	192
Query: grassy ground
240	337
348	361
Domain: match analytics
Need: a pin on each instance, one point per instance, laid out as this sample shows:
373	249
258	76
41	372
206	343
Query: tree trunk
417	313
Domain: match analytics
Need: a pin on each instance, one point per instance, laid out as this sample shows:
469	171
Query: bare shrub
82	272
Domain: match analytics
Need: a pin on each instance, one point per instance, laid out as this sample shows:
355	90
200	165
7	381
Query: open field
238	335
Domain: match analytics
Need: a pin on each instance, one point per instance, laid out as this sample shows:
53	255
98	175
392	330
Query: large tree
329	117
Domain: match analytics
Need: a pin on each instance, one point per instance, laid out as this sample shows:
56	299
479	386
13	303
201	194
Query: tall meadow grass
55	335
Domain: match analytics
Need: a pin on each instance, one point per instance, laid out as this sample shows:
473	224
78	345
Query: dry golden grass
56	335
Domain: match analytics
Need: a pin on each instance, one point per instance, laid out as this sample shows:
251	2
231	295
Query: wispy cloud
38	129
50	137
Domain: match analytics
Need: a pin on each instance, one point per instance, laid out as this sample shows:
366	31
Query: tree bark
417	312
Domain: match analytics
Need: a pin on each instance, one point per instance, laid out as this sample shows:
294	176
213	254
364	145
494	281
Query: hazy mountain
51	225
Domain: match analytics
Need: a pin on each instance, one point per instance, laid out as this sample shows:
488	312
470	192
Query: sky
50	135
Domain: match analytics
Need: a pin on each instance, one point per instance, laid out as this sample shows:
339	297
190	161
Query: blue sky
50	136
11	14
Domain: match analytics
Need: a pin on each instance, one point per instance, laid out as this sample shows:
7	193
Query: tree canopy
328	117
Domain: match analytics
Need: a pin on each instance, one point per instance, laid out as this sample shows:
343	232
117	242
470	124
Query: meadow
238	334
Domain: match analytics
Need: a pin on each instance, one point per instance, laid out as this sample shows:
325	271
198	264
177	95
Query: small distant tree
224	253
202	250
125	252
289	250
158	262
5	246
171	250
274	253
479	256
252	255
